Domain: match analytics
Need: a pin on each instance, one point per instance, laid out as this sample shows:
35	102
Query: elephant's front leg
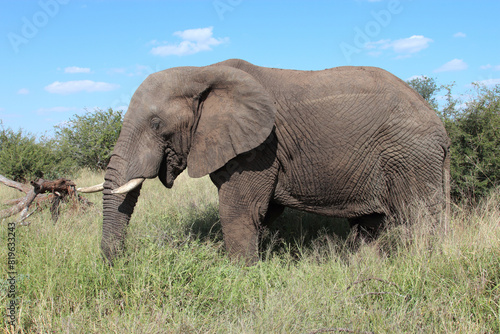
244	197
240	227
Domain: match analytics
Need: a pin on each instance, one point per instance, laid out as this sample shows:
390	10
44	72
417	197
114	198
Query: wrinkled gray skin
352	142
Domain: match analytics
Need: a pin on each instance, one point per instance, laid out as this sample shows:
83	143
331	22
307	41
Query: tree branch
24	204
16	185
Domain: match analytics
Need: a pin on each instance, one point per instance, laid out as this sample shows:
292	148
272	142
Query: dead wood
16	185
41	191
23	204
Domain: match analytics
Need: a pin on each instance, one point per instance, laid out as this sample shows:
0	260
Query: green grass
176	277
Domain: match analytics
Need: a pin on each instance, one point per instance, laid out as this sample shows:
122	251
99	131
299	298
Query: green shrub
474	131
89	139
427	88
475	145
23	157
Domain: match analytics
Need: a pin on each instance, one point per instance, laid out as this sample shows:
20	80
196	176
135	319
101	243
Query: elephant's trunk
117	209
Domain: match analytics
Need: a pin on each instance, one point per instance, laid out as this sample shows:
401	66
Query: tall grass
176	277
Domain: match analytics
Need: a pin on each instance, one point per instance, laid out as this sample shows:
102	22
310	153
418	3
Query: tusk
129	186
93	189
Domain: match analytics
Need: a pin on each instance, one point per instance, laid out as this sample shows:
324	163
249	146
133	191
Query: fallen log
16	185
23	204
51	191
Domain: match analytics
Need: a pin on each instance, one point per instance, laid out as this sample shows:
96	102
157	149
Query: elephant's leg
241	219
244	203
368	227
240	228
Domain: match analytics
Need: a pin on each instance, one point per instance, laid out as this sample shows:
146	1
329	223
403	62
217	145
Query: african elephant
353	142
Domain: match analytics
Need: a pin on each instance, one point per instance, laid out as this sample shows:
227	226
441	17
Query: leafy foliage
427	88
84	142
474	131
24	158
475	145
89	139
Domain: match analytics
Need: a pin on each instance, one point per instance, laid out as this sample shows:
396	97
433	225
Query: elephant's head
192	117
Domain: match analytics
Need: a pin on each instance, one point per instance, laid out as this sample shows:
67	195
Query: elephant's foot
241	241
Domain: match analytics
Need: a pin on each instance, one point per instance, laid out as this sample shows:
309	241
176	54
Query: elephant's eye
155	123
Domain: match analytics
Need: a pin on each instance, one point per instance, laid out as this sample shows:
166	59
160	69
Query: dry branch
58	190
23	204
16	185
39	200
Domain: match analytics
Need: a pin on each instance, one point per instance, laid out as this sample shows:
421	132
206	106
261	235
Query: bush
475	145
23	158
89	139
474	131
427	88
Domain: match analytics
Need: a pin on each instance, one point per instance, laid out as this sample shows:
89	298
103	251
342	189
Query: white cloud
382	44
193	41
23	91
412	44
490	67
489	82
459	35
452	66
405	47
70	87
75	69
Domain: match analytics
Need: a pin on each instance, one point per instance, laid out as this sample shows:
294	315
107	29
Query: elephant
351	142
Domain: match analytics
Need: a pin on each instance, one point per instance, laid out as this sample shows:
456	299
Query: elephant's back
344	106
358	89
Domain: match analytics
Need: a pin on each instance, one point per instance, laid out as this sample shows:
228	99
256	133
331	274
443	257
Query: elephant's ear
234	113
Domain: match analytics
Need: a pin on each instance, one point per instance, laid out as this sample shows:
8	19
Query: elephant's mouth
171	166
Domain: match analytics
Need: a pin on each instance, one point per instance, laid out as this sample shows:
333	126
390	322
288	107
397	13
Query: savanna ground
176	277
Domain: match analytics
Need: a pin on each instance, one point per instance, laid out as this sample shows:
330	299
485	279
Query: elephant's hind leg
368	227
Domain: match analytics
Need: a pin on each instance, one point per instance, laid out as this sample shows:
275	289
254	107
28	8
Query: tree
23	157
475	145
427	88
89	139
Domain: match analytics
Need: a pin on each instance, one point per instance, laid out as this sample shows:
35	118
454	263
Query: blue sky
60	57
